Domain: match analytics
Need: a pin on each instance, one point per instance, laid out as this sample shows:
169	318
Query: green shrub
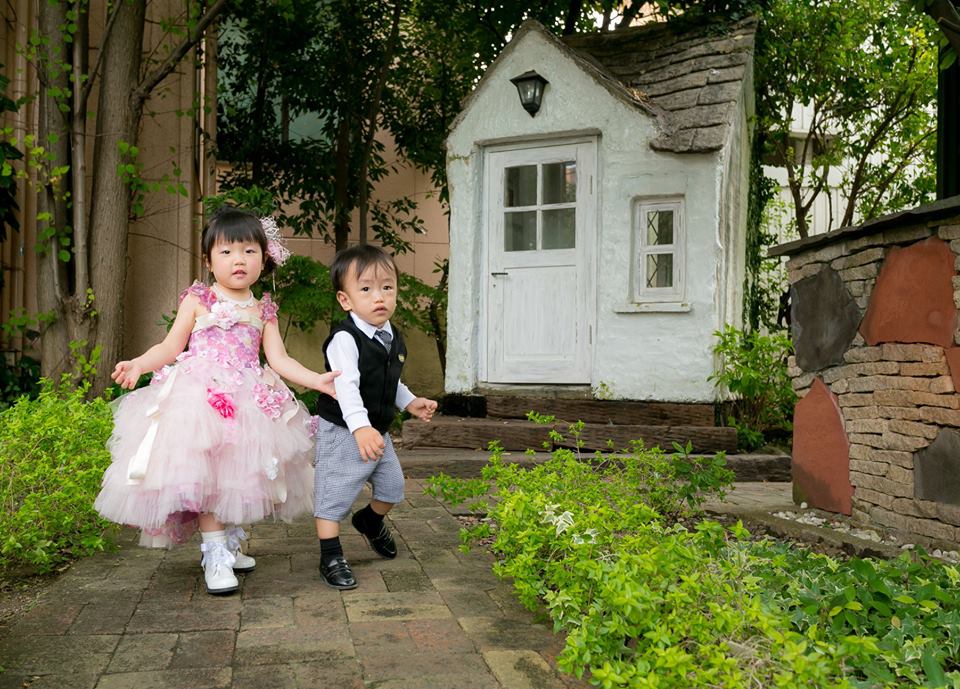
753	368
53	454
647	600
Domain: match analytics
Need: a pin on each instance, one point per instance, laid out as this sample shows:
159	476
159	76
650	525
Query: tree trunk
54	136
118	120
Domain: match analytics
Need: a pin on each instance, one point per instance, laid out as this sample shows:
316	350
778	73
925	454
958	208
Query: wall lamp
530	86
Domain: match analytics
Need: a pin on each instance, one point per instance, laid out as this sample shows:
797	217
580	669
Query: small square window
658	251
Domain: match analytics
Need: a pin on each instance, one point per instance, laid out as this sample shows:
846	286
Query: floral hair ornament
276	244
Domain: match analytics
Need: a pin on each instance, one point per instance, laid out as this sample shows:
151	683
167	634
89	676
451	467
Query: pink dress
214	432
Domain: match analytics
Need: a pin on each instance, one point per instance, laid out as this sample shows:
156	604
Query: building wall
637	355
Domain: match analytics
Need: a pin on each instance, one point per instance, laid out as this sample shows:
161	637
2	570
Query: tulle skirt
205	439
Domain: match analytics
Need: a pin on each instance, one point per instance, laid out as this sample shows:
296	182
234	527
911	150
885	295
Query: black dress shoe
337	573
382	544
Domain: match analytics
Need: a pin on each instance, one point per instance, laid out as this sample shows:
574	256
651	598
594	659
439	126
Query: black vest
379	377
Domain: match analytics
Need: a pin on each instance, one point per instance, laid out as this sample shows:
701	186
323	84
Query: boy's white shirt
343	356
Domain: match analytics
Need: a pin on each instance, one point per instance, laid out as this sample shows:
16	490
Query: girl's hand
325	384
422	408
370	443
126	374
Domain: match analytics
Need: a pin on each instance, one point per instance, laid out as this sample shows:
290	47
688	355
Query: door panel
539	288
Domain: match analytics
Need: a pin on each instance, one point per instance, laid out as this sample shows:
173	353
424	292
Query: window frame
658	295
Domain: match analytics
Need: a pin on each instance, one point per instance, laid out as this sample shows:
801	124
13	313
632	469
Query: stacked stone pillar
875	329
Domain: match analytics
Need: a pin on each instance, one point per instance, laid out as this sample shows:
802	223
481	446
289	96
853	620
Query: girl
215	438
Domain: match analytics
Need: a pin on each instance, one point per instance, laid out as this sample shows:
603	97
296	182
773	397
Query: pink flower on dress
270	400
314	425
222	402
225	314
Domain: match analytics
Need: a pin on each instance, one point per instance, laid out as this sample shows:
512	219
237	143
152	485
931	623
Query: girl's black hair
230	224
359	258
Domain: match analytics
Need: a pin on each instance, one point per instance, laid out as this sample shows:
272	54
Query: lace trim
268	308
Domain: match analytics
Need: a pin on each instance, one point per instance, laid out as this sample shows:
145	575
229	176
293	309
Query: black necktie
385	338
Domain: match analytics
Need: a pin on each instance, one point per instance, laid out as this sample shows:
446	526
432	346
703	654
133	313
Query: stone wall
875	328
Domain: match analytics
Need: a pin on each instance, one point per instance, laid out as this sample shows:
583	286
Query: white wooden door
541	217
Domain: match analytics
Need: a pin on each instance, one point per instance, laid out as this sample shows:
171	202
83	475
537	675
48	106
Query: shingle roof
690	76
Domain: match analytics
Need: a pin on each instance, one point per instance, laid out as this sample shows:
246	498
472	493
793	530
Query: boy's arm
421	407
343	355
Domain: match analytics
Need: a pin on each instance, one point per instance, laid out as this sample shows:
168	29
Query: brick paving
433	618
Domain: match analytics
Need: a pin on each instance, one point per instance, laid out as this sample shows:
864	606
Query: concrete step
515	434
603	411
461	463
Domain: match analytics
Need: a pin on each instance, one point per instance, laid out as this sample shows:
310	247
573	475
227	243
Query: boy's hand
370	443
325	383
422	408
126	374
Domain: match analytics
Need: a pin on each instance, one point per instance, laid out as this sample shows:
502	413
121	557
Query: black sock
369	522
330	547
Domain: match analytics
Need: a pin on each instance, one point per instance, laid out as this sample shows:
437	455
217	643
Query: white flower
224	314
563	522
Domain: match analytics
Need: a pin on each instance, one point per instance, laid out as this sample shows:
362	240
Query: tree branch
88	86
145	87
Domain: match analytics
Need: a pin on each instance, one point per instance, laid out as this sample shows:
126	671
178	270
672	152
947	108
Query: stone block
942	384
864	242
875	497
866	426
855	287
820	465
881	484
862	354
841	386
899	474
853	413
824	319
828	253
903	398
927	509
908	413
939	415
913	299
903	443
868	439
920	430
866	272
948	232
937	469
902	235
924	369
907	524
859	258
856	399
870	368
867	467
911	352
870	383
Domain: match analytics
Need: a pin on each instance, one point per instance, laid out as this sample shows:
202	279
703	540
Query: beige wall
163	250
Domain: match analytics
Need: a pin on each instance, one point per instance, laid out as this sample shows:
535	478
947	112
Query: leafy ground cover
650	595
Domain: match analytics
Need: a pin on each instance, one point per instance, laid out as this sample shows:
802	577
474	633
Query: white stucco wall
636	355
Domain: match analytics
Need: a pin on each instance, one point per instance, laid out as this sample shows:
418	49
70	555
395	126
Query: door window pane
659	270
559	228
520	231
560	182
659	227
520	186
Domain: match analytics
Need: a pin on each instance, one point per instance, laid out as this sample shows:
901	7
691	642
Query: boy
370	355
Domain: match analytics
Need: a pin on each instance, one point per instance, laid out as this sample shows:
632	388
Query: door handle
499	273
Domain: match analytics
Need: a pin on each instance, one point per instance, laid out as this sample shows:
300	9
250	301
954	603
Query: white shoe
244	563
218	567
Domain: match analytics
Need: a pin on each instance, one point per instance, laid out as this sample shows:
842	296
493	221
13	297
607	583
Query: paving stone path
434	618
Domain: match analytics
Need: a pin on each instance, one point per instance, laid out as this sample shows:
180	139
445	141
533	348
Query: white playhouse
597	235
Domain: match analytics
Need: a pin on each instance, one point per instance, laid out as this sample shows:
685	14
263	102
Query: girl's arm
290	368
127	373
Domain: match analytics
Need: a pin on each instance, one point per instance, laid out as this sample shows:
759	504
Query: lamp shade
530	86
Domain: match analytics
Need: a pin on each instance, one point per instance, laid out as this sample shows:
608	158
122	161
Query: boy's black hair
230	224
359	258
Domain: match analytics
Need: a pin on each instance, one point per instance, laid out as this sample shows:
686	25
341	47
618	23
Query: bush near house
753	369
649	595
53	454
